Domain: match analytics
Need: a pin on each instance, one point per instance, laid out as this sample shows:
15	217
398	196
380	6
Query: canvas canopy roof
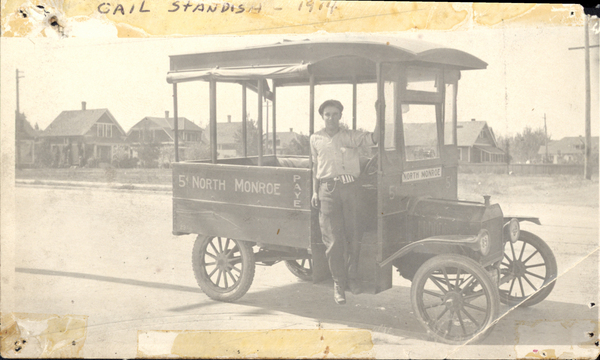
331	62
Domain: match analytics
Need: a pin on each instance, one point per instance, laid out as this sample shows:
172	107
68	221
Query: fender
464	240
523	218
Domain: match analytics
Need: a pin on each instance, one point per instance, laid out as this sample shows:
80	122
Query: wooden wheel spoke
433	294
505	264
433	306
462	324
441	314
521	286
446	278
220	242
512	249
235	260
507	258
522	251
211	255
536	265
214	271
214	248
231	275
473	296
465	280
225	279
219	277
529	282
236	269
210	263
469	305
227	243
534	275
435	281
450	323
511	286
457	278
470	316
530	256
468	284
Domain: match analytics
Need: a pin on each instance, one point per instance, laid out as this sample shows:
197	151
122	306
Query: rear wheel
454	298
223	267
528	265
302	268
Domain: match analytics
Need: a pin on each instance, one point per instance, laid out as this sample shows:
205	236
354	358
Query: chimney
228	118
83	105
167	114
291	129
472	119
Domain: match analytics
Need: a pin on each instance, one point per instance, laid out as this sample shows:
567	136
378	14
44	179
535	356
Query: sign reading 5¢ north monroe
278	188
421	174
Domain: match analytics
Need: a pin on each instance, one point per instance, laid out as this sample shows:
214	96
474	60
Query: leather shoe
338	294
354	287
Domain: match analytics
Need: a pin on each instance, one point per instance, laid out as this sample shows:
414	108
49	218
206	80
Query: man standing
335	170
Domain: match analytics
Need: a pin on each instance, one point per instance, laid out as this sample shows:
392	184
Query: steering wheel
371	167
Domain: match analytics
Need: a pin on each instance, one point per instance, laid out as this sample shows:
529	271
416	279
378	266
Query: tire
455	299
302	268
531	265
223	267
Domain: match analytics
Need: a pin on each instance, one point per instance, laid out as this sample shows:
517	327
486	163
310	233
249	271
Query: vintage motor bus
462	257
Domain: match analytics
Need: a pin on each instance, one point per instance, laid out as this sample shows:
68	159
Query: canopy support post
311	111
244	127
213	120
175	122
260	119
274	101
354	96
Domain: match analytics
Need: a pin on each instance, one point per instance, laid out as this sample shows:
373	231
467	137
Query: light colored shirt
338	155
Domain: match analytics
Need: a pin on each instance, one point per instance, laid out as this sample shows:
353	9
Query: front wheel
528	271
223	267
454	298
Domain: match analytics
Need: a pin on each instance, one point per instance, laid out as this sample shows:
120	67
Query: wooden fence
524	169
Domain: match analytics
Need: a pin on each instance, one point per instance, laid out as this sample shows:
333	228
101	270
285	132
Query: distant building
161	131
476	143
226	142
568	150
84	134
287	142
27	139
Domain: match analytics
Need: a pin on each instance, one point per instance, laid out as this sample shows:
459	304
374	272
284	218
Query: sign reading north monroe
421	174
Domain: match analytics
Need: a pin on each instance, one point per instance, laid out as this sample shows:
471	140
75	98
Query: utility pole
546	138
18	121
588	99
588	117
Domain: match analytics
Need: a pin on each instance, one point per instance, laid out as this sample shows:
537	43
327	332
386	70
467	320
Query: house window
460	154
104	130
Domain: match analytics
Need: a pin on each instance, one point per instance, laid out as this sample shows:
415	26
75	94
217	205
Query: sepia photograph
298	192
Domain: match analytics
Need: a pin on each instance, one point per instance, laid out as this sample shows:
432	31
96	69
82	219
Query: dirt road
110	255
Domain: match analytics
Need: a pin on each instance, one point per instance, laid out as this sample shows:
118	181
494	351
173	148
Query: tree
252	138
524	146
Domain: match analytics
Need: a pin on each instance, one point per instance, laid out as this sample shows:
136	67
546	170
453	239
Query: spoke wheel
527	266
223	267
454	298
302	268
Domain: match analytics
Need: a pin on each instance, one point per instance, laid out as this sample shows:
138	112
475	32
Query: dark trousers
340	228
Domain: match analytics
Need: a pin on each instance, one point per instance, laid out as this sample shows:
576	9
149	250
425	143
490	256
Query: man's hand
315	200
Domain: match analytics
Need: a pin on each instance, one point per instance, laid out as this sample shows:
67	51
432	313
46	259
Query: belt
344	179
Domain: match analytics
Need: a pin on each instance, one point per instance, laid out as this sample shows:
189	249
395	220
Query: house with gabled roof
161	131
76	136
568	150
476	143
226	142
287	143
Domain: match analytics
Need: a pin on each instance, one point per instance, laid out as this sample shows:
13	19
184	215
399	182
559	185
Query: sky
531	73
